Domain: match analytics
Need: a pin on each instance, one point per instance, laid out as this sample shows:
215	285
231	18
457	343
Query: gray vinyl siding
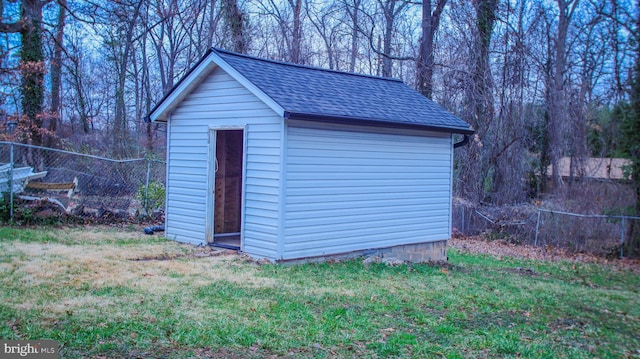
222	101
186	181
262	184
349	190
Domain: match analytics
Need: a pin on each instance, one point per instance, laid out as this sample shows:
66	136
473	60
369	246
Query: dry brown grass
120	294
154	268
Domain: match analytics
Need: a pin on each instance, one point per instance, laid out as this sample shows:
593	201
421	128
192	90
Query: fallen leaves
500	249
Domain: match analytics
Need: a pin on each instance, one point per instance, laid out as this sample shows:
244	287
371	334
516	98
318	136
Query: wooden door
228	181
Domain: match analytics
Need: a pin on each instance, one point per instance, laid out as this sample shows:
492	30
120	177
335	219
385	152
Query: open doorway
227	203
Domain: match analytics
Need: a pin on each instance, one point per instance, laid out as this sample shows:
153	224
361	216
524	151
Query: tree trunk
482	79
558	102
146	94
389	18
295	52
354	35
480	113
32	68
75	72
120	125
235	20
425	60
390	11
56	73
632	245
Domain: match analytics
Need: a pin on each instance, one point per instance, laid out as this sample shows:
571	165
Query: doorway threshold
226	240
225	246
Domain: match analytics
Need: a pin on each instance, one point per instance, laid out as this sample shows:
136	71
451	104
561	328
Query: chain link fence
49	183
603	235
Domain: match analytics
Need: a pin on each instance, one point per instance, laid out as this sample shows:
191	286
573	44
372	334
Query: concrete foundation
417	253
410	253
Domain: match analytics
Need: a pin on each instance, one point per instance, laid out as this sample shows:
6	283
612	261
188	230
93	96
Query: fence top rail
78	154
518	223
586	215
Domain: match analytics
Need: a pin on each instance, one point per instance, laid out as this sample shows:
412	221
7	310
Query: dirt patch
501	248
200	252
528	272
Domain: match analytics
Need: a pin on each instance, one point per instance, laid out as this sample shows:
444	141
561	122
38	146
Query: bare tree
56	71
508	156
289	24
32	66
557	101
120	47
620	20
391	9
529	76
296	33
165	29
589	46
79	100
425	60
479	93
327	26
235	20
353	9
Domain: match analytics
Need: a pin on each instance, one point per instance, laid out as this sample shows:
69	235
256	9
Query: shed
289	162
597	168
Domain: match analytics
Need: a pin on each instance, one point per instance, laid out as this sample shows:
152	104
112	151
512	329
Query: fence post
146	187
535	242
622	238
11	183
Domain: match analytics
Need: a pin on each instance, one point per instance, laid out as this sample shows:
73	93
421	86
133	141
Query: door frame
211	181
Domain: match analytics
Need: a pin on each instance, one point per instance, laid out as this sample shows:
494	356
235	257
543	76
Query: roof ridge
309	67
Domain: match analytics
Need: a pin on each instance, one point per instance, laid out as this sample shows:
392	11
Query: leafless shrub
513	222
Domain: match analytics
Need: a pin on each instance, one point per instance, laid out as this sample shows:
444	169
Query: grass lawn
113	293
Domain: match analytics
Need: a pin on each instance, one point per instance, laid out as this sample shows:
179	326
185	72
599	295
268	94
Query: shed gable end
221	102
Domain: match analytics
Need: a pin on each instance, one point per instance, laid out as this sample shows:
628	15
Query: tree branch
11	27
373	47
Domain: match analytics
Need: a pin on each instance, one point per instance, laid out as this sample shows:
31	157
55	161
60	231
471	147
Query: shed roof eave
376	123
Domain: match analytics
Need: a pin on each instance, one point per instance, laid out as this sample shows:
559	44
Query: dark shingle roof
320	94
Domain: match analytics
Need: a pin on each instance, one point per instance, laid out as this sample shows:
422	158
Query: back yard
116	293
